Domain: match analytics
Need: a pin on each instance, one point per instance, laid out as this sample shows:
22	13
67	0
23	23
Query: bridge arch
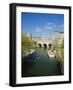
39	45
45	45
50	45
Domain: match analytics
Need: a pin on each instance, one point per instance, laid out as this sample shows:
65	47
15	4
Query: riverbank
28	52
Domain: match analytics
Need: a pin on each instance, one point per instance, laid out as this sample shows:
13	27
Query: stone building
58	37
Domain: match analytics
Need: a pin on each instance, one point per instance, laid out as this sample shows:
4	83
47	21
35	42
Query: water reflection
40	64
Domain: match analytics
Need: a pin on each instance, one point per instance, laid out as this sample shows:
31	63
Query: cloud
48	29
38	29
50	25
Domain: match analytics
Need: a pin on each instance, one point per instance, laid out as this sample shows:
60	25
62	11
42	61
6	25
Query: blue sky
42	24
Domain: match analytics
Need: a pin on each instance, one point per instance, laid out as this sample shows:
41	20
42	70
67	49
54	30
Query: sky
41	24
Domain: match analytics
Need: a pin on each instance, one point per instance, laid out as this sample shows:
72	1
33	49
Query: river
40	64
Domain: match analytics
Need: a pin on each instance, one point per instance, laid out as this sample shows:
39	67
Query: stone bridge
43	41
46	43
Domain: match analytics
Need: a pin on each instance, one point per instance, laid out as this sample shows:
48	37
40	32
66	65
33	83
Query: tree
27	44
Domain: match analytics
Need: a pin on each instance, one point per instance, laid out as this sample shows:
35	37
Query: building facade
45	41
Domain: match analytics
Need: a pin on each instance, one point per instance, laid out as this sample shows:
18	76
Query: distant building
57	37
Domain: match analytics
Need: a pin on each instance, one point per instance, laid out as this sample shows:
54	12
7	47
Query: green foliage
27	44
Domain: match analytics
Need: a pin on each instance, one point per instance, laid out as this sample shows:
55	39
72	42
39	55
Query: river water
40	64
